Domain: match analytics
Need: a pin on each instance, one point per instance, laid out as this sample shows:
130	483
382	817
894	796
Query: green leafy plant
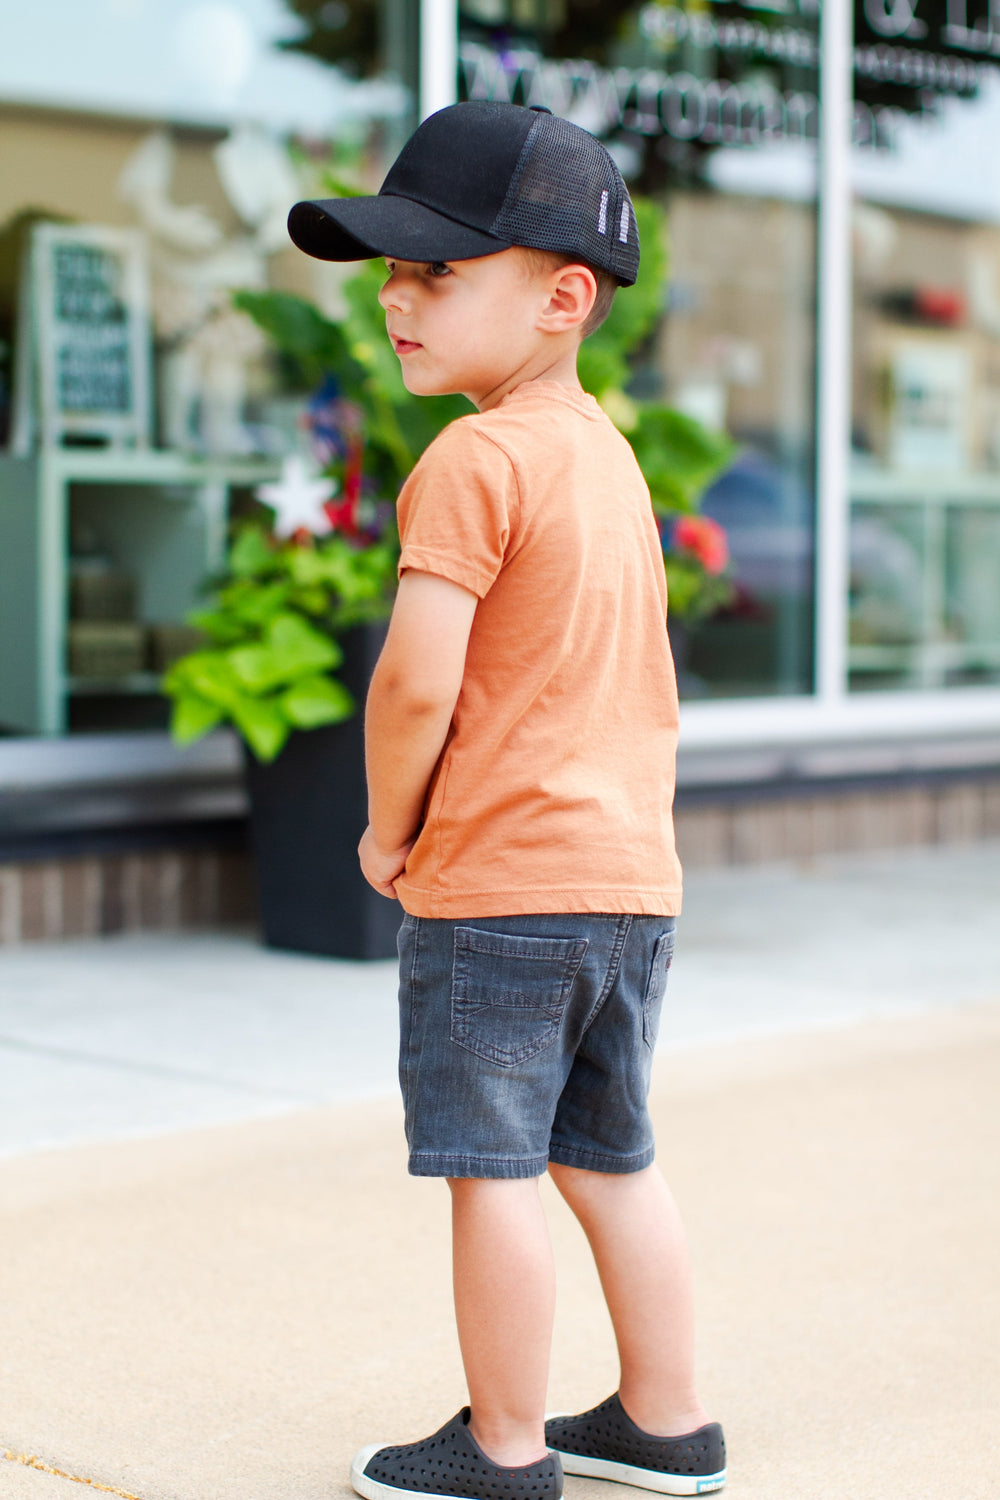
696	560
359	357
678	456
271	633
268	666
279	605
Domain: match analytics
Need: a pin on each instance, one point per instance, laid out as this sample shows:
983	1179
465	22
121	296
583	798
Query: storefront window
151	150
925	482
713	112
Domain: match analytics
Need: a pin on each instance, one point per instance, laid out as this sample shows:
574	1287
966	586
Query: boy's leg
504	1301
637	1239
504	1306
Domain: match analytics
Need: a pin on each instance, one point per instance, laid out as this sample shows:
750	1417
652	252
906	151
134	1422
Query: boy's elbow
411	696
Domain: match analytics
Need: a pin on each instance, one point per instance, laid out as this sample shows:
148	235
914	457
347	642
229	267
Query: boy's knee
577	1185
466	1187
559	1172
581	1182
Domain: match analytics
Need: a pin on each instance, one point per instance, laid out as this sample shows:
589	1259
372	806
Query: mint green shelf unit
161	516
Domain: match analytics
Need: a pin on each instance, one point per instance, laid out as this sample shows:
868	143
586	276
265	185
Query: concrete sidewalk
130	1036
226	1313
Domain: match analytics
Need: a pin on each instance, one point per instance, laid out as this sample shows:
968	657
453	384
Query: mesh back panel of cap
567	194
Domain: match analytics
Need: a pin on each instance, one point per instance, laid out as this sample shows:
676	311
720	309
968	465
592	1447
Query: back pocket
509	992
656	987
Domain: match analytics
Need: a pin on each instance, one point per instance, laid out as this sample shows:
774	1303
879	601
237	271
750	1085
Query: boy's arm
412	696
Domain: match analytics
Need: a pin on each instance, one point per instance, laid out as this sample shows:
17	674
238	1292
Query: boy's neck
560	368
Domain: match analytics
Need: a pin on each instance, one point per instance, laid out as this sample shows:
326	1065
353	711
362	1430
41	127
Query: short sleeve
458	509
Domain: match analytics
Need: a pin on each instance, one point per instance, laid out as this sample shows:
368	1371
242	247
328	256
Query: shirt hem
419	902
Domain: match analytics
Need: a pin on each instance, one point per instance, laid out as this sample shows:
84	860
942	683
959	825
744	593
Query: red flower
343	513
704	539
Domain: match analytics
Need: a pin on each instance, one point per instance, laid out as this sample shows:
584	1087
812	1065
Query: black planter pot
308	810
689	684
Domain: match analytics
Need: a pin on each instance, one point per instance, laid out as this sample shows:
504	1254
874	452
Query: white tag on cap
602	217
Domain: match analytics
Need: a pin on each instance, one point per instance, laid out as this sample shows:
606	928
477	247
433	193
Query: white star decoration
297	500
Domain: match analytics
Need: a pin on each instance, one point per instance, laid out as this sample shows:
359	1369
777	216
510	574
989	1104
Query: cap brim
361	228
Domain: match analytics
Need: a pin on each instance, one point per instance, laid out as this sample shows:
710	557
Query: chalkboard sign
86	334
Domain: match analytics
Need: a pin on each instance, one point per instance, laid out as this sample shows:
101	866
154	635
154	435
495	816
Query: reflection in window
199	62
712	111
170	120
925	533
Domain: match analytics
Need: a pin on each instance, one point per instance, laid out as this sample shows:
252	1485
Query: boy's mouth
404	346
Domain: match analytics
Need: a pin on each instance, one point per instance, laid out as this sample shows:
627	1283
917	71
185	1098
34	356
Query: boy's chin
426	385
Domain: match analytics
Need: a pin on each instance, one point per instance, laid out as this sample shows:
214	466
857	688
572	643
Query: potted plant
294	625
292	632
295	622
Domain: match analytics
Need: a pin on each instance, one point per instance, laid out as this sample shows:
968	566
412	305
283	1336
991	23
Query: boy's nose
392	295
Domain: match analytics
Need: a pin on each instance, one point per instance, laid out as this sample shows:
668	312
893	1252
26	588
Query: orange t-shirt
553	792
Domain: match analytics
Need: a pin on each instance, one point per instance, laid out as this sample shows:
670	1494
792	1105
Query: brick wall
749	830
168	890
158	891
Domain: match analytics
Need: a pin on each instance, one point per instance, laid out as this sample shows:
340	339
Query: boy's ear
572	292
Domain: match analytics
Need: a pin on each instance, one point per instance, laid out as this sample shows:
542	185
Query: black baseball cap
477	178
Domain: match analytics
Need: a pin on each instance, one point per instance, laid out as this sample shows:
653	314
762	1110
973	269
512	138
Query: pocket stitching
567	953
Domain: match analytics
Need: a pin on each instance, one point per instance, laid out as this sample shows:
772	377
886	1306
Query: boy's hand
379	868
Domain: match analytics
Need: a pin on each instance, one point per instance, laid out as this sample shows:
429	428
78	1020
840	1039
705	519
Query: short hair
607	284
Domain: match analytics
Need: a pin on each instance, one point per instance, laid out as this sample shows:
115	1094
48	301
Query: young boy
521	733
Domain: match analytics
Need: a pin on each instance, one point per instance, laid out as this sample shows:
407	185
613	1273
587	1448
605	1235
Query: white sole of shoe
644	1479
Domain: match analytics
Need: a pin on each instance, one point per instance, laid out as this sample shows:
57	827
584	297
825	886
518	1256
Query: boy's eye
438	268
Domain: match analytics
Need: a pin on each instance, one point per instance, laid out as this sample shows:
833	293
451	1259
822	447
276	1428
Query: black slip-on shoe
450	1464
606	1444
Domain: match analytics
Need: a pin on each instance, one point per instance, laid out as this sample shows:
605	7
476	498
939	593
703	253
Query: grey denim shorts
529	1040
